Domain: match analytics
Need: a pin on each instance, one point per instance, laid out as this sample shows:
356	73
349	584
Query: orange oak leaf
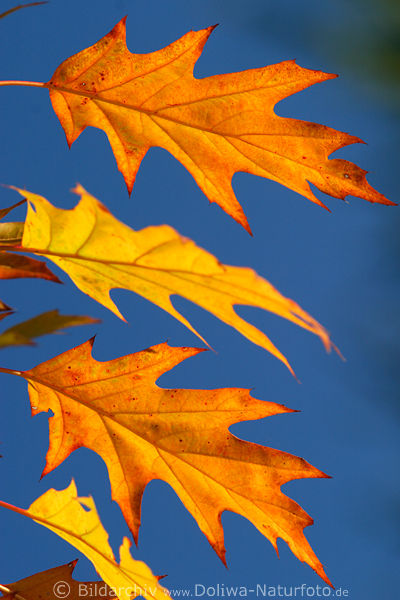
43	585
215	126
144	432
100	253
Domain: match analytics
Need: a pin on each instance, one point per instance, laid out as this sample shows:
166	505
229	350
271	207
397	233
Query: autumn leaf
144	432
215	126
46	583
11	233
76	520
51	321
15	267
4	307
15	8
100	253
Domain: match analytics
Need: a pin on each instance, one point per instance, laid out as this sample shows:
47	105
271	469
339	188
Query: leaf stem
21	511
9	372
11	10
38	519
7	590
26	83
16	509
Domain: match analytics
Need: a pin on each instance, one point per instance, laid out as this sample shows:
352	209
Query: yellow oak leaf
76	520
215	126
181	436
100	253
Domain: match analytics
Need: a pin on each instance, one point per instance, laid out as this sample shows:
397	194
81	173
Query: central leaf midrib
173	272
94	96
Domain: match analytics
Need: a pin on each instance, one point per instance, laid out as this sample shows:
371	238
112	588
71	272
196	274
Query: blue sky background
341	267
